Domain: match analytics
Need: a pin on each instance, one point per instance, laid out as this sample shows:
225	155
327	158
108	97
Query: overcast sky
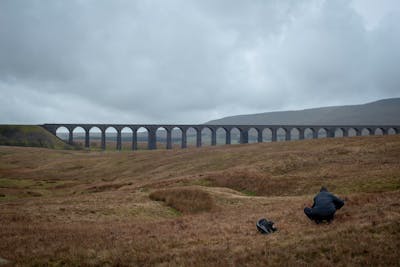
182	61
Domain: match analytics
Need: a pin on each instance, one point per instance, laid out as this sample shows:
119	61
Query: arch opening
339	132
365	132
308	133
191	137
294	134
221	136
280	134
176	137
391	131
322	133
206	136
253	135
95	138
235	136
126	138
161	138
78	135
352	132
142	138
267	135
111	138
378	131
63	133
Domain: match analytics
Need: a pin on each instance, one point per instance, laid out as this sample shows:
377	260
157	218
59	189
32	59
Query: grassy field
199	206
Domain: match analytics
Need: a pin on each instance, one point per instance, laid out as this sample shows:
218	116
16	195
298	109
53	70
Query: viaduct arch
330	131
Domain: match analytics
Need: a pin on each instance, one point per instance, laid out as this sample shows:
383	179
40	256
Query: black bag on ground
265	227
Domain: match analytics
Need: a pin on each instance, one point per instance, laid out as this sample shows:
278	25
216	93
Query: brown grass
81	208
185	200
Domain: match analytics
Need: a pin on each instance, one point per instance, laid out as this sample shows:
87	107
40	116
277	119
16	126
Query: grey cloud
188	61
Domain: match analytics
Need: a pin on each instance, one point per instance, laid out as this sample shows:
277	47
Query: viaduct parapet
287	130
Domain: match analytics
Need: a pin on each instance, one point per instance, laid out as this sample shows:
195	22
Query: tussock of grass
185	200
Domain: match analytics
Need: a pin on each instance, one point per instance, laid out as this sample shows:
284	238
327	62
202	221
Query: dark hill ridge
382	112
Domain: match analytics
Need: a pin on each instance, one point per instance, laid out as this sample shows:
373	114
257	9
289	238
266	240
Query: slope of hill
198	207
382	112
29	135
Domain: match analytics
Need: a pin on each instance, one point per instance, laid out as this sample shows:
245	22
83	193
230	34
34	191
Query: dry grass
185	200
80	208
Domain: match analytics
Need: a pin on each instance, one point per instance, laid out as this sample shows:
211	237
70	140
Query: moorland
199	206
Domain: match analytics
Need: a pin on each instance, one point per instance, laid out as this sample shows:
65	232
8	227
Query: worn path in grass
94	208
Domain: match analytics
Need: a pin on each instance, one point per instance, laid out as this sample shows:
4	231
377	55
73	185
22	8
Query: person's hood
323	189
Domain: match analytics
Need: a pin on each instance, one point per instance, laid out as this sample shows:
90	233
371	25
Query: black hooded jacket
326	204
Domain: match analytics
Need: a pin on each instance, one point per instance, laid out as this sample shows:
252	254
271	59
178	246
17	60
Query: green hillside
29	136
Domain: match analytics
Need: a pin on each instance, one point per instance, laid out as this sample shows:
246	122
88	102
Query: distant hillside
383	112
30	136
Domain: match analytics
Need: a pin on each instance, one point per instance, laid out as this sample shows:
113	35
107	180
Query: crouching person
324	207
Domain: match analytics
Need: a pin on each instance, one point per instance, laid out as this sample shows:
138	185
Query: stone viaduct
329	130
